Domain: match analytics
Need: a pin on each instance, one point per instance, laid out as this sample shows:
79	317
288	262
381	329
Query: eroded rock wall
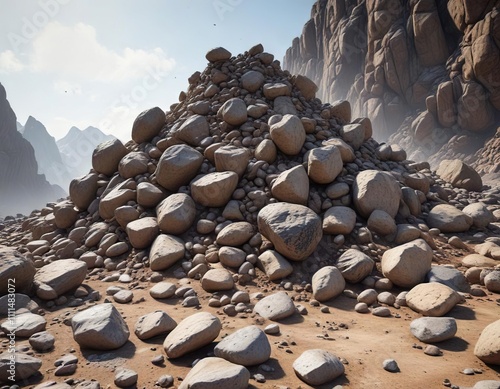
425	71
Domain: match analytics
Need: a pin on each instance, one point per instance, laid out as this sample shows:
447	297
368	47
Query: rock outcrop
423	70
22	189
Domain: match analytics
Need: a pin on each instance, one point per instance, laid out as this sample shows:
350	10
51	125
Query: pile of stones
251	178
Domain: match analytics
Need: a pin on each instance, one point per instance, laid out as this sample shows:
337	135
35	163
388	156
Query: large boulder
460	175
451	277
295	230
148	125
24	325
324	164
176	213
480	214
153	324
60	276
100	327
433	329
247	346
25	366
177	166
275	307
165	251
487	347
133	164
142	232
216	373
15	266
327	283
339	220
233	111
115	199
218	54
448	218
354	265
292	186
252	81
107	156
231	158
214	189
432	299
373	190
192	333
274	265
317	367
288	134
408	264
82	191
193	130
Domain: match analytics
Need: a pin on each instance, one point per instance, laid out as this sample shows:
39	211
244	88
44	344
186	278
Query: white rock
216	280
62	276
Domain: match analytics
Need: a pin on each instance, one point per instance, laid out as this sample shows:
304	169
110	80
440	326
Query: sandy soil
364	341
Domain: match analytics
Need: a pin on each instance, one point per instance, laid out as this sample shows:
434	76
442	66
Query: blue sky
102	62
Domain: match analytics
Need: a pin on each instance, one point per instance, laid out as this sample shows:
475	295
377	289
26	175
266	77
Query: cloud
9	63
75	52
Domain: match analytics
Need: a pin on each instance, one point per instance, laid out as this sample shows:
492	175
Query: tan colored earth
363	341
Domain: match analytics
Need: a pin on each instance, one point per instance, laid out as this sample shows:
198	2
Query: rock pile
247	175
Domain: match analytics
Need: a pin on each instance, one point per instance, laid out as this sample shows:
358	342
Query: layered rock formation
22	189
429	62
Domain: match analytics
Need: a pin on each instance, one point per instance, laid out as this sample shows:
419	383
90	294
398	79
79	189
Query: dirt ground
363	341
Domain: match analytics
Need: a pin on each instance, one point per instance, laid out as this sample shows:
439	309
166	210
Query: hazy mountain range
60	161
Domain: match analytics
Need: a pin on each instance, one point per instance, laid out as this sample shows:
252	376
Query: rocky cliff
21	187
47	154
425	71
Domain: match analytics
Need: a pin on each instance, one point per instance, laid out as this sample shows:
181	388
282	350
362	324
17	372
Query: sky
102	62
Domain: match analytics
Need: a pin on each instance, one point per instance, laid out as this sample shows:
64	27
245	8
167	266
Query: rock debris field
253	236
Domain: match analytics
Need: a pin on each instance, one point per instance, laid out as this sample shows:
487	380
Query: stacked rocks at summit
247	177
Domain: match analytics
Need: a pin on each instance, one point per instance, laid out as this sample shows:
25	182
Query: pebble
390	365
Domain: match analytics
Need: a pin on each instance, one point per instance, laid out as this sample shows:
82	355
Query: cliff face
47	154
425	71
22	189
